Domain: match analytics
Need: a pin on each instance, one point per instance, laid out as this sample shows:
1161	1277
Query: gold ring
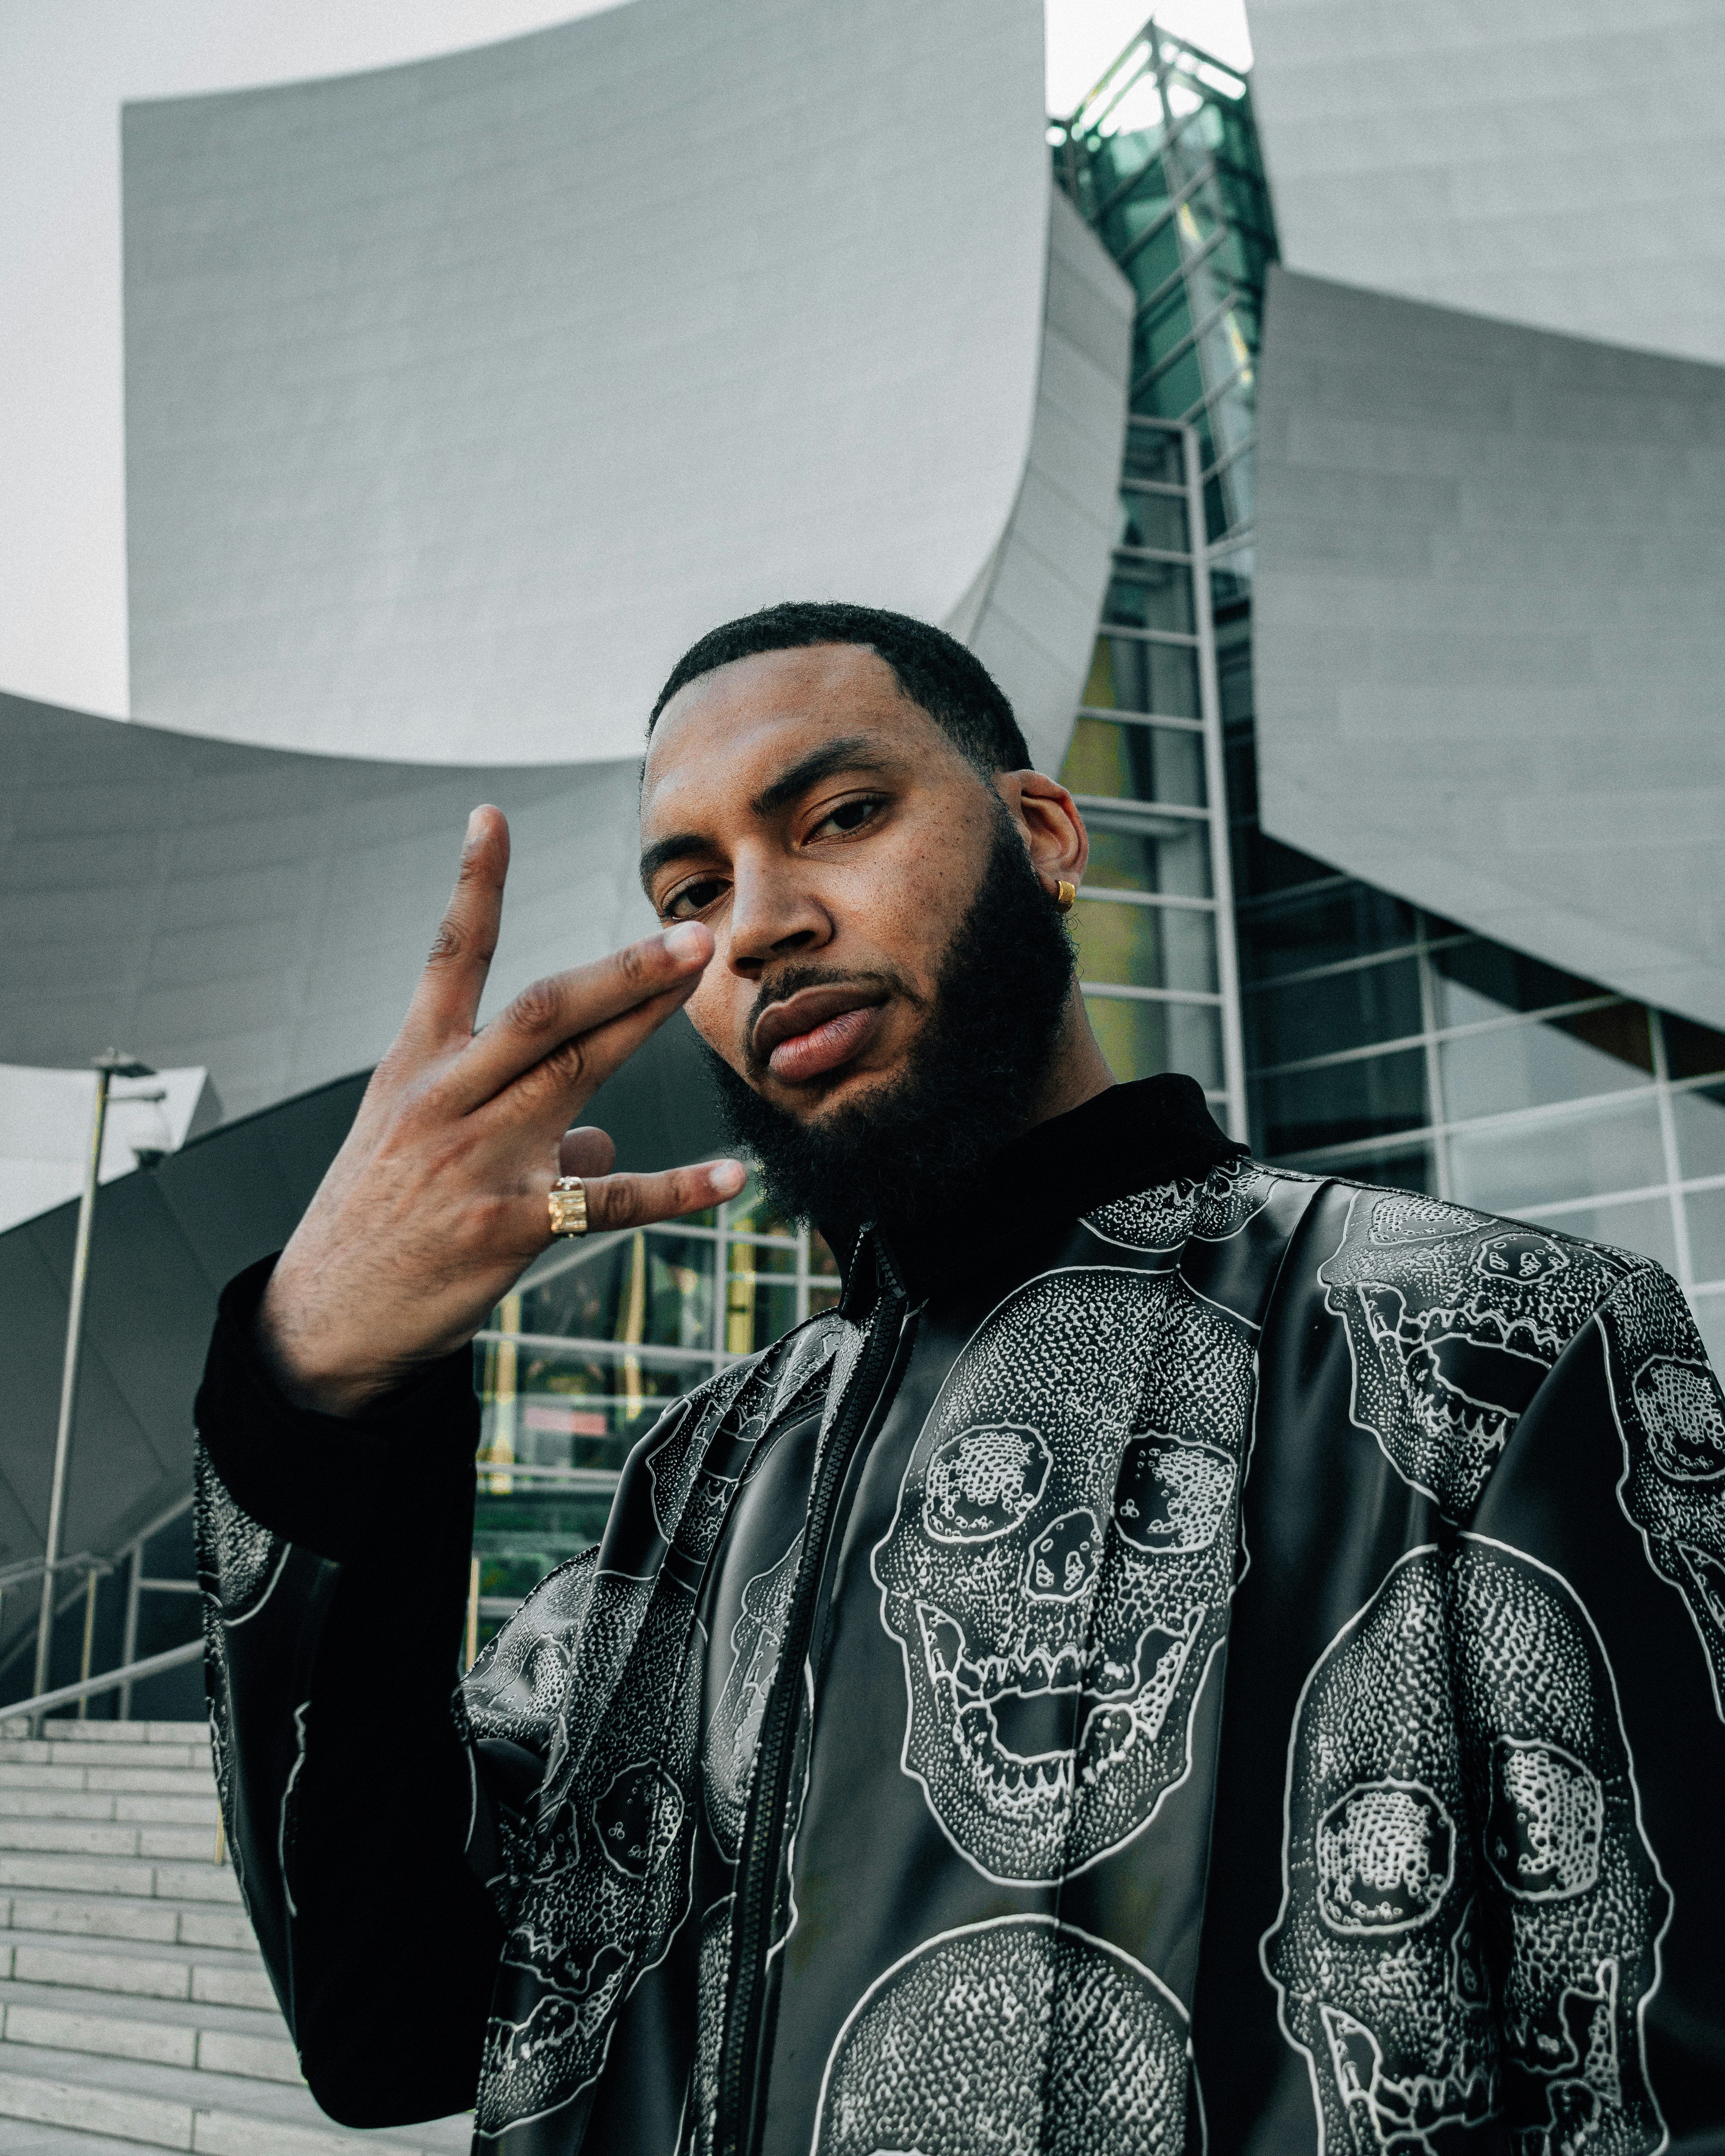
568	1206
1064	894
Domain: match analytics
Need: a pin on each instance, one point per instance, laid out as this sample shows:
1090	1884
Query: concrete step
158	1922
191	1809
20	2137
77	1837
117	1874
205	2113
120	1780
207	2037
135	2009
26	1752
205	1976
67	1729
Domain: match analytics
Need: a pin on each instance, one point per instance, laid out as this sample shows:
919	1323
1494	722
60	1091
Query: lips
816	1031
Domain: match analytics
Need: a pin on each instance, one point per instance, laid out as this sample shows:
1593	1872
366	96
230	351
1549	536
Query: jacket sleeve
1591	1642
333	1559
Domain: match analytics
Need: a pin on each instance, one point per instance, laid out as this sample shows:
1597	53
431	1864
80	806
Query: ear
1053	830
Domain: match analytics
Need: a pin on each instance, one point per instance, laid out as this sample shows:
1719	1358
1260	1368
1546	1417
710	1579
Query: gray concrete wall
1033	622
266	914
1488	637
461	397
1560	162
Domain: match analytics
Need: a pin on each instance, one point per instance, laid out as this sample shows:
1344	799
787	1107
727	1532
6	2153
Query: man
1185	1650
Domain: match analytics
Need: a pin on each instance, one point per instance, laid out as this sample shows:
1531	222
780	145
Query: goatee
906	1155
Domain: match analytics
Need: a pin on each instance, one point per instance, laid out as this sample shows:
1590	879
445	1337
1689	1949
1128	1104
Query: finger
637	1201
447	999
586	1152
563	1015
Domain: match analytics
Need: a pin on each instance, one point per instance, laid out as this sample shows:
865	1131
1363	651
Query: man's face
831	837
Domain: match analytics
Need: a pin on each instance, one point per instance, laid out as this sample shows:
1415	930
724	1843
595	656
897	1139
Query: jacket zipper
769	1798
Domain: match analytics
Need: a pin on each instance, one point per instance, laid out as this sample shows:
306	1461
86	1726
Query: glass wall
1162	160
1154	928
582	1360
1379	1042
1392	1047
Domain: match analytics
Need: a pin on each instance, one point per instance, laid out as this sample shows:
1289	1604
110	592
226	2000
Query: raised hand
437	1201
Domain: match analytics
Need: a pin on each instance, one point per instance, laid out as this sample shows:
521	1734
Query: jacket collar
1130	1137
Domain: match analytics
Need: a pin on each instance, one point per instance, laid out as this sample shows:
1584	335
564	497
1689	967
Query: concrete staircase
134	2007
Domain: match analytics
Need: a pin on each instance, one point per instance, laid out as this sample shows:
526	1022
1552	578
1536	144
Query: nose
774	916
1062	1561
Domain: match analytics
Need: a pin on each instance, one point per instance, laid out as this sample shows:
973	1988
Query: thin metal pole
129	1642
1215	778
90	1605
473	1603
69	1382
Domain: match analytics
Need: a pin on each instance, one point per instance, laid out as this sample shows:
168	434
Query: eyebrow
851	752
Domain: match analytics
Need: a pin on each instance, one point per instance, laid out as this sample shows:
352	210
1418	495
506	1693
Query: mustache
791	981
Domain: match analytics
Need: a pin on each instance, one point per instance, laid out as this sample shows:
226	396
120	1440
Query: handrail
171	1658
28	1568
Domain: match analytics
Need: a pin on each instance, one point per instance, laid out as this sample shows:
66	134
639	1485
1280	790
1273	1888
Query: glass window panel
1140	1040
1340	1010
1151	595
1507	1171
1375	1097
1644	1225
1153	453
1144	946
1705	1211
1410	1168
569	1406
1124	856
1231	581
1162	678
1710	1318
1115	157
1177	388
1480	980
1323	926
654	1287
1135	763
1692	1050
1699	1121
1151	520
1526	1066
758	1309
520	1537
1163	318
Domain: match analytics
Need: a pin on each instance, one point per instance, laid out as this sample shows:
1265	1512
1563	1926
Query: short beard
905	1155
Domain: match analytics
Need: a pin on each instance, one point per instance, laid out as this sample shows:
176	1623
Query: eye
849	816
689	899
984	1481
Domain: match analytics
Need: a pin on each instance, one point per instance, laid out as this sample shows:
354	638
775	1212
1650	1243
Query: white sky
66	66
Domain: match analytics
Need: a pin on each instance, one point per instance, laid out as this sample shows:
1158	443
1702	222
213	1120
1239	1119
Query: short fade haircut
932	669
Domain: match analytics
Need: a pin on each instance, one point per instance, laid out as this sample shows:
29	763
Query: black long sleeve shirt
1206	1652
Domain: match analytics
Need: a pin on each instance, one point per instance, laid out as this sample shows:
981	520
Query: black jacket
1207	1655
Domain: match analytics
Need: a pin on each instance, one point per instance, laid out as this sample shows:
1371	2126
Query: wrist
308	1379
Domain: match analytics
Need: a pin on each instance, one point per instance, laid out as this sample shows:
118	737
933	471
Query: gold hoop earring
1064	894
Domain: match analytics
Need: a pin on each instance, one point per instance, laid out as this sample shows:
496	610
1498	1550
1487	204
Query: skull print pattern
1059	1567
1672	1420
1018	2037
734	1728
1472	1914
1453	1321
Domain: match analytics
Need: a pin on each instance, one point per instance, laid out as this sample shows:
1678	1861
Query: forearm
334	1562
